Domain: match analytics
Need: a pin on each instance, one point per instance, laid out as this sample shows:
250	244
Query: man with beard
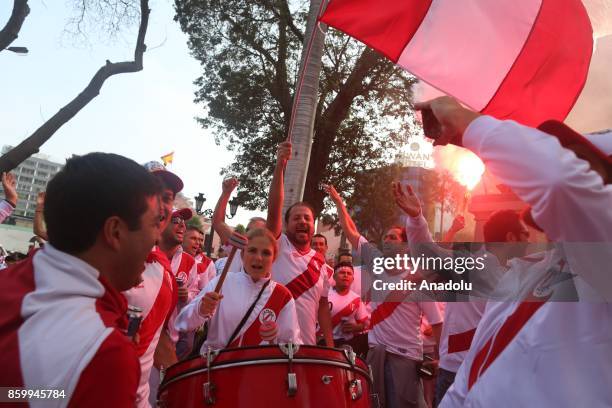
396	347
185	271
298	266
63	318
553	352
156	294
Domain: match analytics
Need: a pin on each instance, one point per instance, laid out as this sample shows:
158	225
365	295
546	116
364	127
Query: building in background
32	177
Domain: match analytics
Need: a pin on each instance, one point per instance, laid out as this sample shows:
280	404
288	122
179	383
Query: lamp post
199	203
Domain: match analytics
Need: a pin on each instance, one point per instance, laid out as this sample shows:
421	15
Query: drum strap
247	314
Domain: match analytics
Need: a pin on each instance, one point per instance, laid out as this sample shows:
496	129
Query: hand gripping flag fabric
525	60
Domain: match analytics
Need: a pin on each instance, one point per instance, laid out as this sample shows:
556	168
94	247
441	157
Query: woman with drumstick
250	309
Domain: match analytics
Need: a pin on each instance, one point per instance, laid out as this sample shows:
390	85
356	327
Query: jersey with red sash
62	327
239	292
399	311
156	297
538	342
346	308
304	276
206	270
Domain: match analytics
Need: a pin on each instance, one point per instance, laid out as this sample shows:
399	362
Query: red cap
184	213
170	179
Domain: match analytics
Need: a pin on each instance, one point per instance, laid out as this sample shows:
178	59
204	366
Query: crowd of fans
115	240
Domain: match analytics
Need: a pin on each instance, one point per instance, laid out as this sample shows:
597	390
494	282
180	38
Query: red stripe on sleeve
111	377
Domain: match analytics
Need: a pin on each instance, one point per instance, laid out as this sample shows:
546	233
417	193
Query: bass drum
285	375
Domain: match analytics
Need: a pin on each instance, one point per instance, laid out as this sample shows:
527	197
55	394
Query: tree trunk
303	122
32	144
11	30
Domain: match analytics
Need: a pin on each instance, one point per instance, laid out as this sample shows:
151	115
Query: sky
142	115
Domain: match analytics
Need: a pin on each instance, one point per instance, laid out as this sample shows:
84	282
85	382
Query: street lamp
233	208
199	202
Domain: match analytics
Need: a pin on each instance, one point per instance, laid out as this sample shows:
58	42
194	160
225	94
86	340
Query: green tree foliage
372	202
249	53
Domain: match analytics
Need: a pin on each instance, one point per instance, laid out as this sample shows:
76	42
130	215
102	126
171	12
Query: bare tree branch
11	30
32	144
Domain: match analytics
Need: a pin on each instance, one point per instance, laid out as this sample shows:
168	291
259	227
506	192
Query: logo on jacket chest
267	315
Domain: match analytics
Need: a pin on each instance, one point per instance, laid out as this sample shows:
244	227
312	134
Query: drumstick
237	241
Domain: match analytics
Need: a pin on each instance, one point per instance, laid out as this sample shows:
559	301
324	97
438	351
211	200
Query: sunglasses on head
177	220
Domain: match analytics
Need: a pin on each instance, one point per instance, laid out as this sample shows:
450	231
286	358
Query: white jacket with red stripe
156	296
239	292
61	328
534	351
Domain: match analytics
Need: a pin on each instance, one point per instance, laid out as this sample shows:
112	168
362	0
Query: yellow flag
167	158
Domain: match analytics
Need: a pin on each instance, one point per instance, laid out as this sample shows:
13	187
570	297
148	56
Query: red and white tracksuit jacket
62	327
551	353
184	266
206	270
156	296
239	292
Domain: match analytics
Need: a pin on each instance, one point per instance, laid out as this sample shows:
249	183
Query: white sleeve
431	312
5	210
189	318
288	327
360	243
417	229
569	201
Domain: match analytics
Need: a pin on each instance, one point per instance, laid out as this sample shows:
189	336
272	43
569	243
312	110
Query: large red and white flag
525	60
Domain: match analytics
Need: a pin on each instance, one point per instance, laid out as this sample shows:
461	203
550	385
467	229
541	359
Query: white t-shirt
303	275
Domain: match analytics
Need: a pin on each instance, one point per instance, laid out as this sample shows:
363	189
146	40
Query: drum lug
350	356
209	396
209	387
289	349
355	389
291	384
327	379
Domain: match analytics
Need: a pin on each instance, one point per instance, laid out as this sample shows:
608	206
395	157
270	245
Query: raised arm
276	195
10	196
39	223
458	225
218	218
346	222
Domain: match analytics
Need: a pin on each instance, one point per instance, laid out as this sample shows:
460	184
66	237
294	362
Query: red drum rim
319	360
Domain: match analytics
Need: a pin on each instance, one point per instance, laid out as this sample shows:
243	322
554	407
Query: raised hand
406	200
283	153
229	185
331	191
453	118
9	185
458	223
